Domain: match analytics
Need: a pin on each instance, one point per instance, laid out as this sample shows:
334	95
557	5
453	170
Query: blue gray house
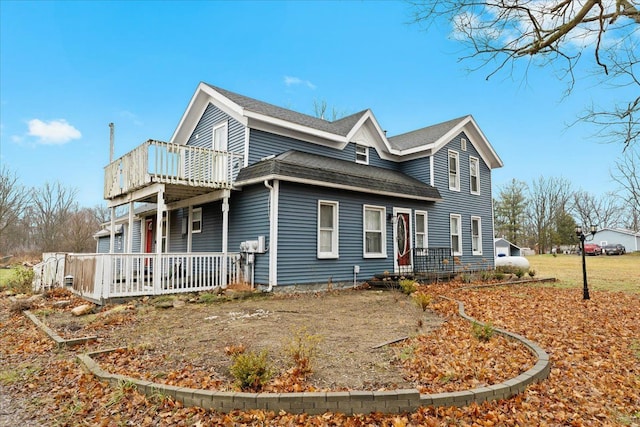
248	191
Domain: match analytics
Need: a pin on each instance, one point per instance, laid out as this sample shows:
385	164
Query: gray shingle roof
338	127
321	169
424	136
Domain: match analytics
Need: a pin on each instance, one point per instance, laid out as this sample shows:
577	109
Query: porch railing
103	276
163	162
433	260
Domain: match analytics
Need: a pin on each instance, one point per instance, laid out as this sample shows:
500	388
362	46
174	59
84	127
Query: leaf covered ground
594	348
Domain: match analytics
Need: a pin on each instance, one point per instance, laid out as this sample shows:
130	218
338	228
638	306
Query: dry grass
612	273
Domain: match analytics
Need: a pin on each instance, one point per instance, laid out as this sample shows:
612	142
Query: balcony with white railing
192	170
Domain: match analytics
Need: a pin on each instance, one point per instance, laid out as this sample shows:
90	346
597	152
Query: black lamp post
582	237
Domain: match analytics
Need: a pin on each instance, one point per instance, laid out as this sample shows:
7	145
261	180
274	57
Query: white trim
335	239
432	173
453	154
192	218
397	211
273	235
247	136
463	144
479	219
477	161
426	227
459	218
382	231
238	185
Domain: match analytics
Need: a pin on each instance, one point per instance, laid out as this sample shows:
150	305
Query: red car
592	249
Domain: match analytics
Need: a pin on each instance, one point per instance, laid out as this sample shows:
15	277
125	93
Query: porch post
130	230
112	236
225	237
157	265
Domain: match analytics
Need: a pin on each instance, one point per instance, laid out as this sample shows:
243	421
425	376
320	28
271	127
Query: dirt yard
350	328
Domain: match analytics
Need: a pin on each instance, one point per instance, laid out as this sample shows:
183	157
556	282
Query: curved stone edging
349	402
54	336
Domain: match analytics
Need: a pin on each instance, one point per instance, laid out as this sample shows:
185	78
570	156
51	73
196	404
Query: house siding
202	135
463	203
297	235
263	144
418	169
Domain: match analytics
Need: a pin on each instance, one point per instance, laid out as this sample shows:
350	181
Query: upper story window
463	144
455	226
196	221
327	229
474	175
375	245
220	134
476	235
454	171
422	236
362	154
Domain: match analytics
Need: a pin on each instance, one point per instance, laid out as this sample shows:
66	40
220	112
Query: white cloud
53	132
292	81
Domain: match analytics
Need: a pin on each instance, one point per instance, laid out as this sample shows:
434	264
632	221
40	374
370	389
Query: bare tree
13	200
604	211
548	202
78	231
626	174
52	206
320	111
554	33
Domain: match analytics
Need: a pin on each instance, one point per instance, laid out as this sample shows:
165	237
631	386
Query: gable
362	127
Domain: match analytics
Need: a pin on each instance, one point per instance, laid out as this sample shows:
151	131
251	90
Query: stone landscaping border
348	402
54	336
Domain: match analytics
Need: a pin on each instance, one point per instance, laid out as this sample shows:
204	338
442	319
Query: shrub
531	272
466	278
22	280
498	275
486	275
422	300
482	332
302	348
519	273
408	286
251	370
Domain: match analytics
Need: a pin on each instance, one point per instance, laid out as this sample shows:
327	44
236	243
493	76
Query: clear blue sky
69	68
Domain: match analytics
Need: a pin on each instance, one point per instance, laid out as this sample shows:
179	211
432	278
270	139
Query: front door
402	240
149	236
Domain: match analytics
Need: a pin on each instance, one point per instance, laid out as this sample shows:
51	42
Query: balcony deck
185	171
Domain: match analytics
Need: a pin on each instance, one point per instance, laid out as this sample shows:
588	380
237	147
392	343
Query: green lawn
614	273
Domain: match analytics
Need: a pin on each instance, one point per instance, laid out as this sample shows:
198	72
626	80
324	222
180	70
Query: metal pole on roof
111	131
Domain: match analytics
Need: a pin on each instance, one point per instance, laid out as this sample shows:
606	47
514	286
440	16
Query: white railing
156	161
103	276
50	272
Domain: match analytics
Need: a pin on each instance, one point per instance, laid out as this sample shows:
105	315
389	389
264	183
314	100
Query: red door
403	240
150	234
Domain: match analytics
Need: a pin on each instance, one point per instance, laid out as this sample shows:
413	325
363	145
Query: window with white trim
422	236
327	229
455	227
362	154
196	220
463	144
476	235
454	171
220	137
374	244
474	175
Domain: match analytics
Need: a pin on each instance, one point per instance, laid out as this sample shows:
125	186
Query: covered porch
171	177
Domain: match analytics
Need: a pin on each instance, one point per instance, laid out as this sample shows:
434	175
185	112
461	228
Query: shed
503	247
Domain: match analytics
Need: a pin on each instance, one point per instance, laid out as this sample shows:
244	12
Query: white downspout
225	237
273	232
